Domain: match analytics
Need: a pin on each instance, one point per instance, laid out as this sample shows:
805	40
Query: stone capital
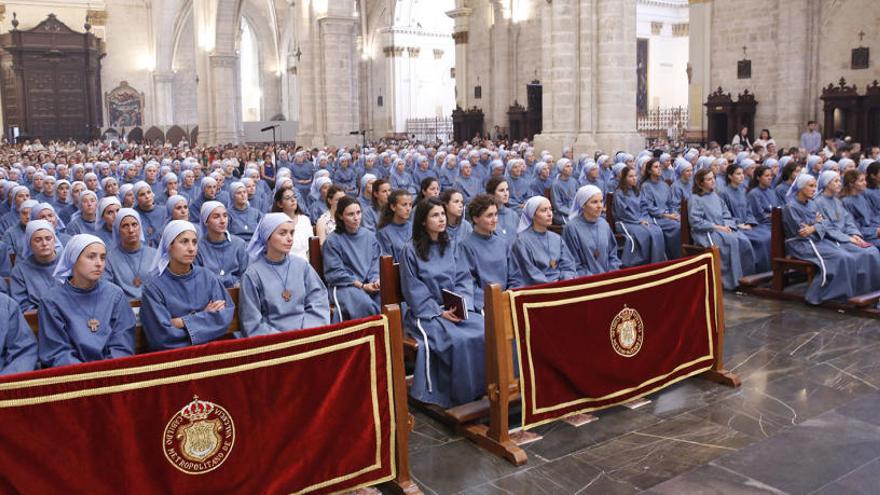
460	37
97	17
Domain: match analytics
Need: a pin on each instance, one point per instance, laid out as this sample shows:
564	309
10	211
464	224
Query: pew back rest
609	211
777	234
389	281
316	256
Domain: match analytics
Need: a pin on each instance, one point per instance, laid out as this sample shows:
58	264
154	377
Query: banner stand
502	386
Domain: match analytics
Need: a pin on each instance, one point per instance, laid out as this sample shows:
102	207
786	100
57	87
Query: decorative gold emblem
627	332
199	437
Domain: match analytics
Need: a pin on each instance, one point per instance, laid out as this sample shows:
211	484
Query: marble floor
806	420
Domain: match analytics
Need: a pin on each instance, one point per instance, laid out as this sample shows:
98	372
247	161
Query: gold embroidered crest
199	437
627	332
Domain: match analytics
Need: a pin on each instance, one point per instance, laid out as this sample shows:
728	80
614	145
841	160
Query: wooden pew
403	484
391	293
316	257
688	248
389	276
782	263
609	217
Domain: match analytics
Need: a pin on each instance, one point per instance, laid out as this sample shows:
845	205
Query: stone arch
136	134
154	135
175	134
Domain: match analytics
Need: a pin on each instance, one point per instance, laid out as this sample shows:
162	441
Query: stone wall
796	47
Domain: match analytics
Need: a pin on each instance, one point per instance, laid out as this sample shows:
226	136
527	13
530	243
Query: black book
456	303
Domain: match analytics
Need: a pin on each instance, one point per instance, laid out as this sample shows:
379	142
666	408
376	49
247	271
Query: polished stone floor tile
712	480
650	456
807	457
862	481
566	476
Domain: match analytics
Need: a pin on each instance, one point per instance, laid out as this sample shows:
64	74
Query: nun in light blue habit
485	261
14	235
279	292
243	219
152	216
82	322
18	348
467	183
225	257
654	198
31	277
737	204
540	255
79	224
645	241
450	363
562	191
682	186
809	236
104	230
590	242
351	268
842	229
712	225
129	263
182	309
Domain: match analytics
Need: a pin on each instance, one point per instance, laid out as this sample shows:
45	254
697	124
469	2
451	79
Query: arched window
249	60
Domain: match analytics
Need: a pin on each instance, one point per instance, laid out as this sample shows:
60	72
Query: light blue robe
393	237
644	243
520	191
450	363
837	277
759	235
104	234
542	258
227	259
680	190
458	232
347	179
761	203
508	220
65	337
654	201
403	180
592	245
864	217
152	224
18	348
30	282
80	226
168	296
447	177
14	237
370	218
840	226
243	223
468	187
561	195
263	308
486	266
123	266
349	258
737	255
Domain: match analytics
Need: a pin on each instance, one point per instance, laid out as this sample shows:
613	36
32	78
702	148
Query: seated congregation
208	243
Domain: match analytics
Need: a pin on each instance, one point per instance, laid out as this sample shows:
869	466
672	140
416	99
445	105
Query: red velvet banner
594	342
310	411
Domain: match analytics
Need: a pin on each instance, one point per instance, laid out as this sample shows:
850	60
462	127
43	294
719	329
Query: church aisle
802	422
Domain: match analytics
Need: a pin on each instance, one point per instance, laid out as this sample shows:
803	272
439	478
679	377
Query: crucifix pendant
94	324
552	263
136	282
286	295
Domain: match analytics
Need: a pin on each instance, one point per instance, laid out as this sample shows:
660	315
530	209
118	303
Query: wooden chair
688	248
609	217
389	276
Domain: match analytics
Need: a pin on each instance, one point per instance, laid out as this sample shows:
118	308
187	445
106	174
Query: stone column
699	62
339	91
500	75
559	42
461	15
225	99
163	82
796	66
616	85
